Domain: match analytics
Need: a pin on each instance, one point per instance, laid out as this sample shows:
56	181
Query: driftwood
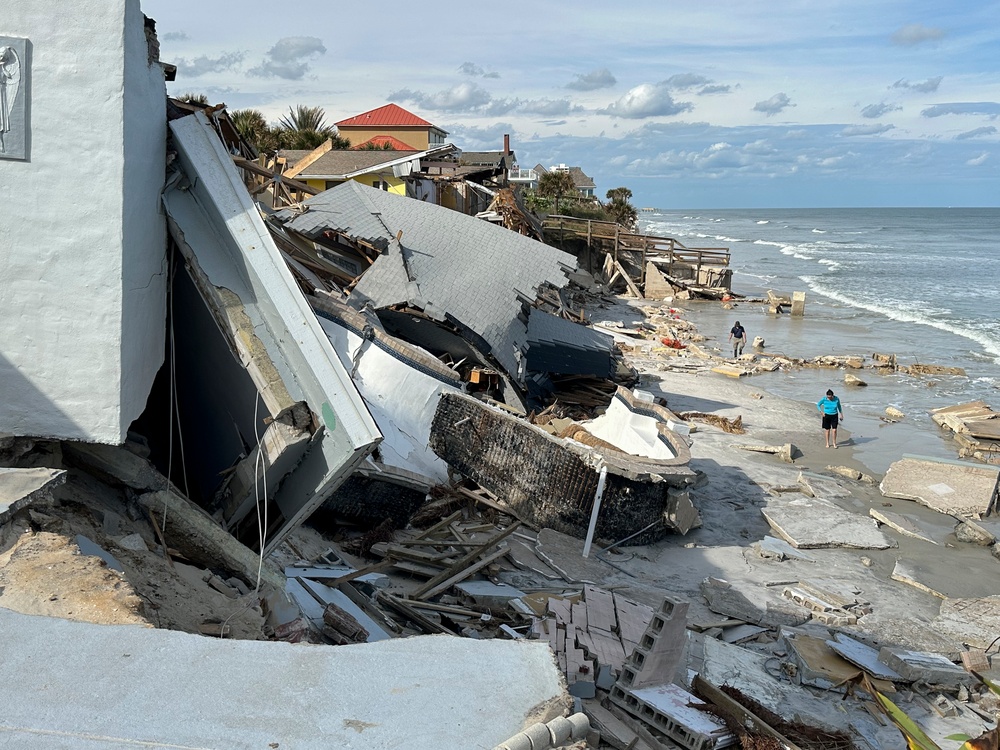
732	426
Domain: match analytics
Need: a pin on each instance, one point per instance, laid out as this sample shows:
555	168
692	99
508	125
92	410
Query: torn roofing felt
454	267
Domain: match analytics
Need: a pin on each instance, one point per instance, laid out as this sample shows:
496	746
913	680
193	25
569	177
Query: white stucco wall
81	234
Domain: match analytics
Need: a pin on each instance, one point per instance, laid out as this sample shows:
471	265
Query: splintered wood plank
633	619
600	608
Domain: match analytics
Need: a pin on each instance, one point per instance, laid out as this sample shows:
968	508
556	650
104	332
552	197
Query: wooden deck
669	255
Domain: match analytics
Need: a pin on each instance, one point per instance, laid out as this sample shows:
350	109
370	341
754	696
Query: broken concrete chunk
20	487
778	549
133	542
894	414
849	473
972	621
906	572
811	523
116	465
760	607
954	487
854	380
194	533
919	666
863	656
971	532
900	523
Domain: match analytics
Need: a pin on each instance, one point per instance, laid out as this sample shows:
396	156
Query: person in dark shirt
738	335
833	414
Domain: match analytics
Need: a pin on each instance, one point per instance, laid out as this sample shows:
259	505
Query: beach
739	484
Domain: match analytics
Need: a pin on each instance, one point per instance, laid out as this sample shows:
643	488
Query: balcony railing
522	175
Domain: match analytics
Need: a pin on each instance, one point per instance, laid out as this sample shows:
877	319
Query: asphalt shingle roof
450	265
338	163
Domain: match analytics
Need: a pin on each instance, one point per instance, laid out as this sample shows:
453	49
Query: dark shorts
830	421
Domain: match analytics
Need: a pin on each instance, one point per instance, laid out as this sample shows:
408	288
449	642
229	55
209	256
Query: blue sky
785	103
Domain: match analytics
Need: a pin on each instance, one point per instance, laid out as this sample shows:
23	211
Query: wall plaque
13	97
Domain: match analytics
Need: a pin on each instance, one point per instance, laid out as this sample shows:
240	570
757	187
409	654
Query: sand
740	483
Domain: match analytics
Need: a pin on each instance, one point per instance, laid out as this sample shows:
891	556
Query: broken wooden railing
611	239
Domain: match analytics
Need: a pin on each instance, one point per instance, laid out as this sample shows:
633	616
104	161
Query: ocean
923	284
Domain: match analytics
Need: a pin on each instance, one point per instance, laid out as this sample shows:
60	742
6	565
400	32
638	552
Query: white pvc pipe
598	496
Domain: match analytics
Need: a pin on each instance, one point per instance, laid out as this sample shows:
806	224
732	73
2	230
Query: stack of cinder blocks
645	689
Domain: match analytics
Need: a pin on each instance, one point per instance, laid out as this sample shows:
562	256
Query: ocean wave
768	242
991	345
763	221
819	231
795	251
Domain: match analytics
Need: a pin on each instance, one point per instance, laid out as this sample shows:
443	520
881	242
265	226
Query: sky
716	104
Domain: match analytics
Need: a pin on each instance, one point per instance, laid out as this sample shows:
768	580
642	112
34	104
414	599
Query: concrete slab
86	686
819	666
770	547
745	670
953	487
900	523
812	523
751	603
564	554
673	711
908	572
488	593
20	487
863	656
930	668
972	621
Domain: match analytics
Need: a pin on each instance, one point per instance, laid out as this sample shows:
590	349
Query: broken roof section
320	429
479	278
340	164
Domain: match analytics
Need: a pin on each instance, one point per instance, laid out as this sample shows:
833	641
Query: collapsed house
454	285
422	330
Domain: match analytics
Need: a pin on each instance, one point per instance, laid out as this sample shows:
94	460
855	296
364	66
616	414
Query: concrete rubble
954	487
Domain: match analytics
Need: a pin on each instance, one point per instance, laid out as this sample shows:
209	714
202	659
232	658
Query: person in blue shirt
833	413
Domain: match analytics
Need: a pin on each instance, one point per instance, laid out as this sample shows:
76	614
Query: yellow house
392	120
387	170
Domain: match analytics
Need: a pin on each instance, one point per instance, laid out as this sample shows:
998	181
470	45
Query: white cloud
686	81
979	160
873	129
976	132
990	109
647	100
595	79
287	58
175	36
471	98
715	88
915	33
203	64
873	111
925	87
774	105
477	71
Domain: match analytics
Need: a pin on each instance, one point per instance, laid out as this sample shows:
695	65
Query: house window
381	184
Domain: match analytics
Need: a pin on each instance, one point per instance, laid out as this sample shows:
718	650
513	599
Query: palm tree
620	209
556	183
305	128
251	124
301	117
193	98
